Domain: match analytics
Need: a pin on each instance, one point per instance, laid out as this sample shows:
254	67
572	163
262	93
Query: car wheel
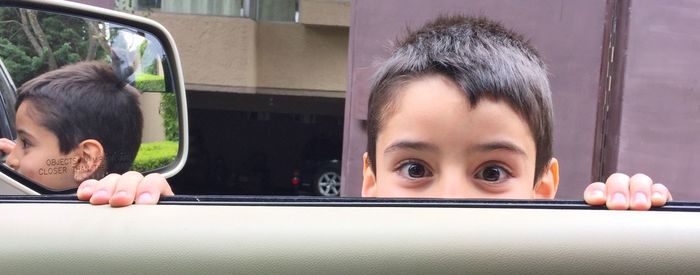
328	183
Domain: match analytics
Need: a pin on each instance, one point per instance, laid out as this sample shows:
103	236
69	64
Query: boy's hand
122	190
620	192
6	145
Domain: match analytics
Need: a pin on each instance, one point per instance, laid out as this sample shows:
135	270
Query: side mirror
41	36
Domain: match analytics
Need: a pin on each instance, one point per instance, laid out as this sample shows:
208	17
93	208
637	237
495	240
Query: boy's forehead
27	112
28	118
434	100
423	90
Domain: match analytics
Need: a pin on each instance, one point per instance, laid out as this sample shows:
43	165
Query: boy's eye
414	170
492	174
25	143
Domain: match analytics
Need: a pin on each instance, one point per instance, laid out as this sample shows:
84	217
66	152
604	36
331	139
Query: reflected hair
483	59
86	100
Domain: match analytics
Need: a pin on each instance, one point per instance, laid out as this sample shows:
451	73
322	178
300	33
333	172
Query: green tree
34	42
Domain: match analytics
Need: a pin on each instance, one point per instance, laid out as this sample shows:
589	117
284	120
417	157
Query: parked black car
319	171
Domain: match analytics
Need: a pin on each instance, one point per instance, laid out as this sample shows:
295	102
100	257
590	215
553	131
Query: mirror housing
11	183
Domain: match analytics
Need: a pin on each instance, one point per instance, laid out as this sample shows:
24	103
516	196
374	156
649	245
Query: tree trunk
97	37
93	35
92	49
28	32
41	37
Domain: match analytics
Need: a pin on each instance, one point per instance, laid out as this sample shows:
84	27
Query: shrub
153	155
168	110
168	103
150	83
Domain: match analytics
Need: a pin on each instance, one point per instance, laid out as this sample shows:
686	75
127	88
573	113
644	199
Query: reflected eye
25	143
492	174
414	170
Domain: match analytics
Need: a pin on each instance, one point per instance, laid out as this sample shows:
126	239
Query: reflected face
36	154
435	144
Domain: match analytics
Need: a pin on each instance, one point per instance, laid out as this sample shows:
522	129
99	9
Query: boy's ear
546	188
369	181
89	158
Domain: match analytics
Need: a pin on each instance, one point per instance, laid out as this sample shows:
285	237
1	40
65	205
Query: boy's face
36	154
434	144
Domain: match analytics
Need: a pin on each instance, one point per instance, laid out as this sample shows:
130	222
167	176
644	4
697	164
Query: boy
461	109
75	123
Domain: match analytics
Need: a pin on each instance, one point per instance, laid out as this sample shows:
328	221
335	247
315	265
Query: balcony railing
262	10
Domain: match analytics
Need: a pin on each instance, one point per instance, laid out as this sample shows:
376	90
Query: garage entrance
251	144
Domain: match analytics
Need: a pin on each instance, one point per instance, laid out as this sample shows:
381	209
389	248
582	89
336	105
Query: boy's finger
152	187
617	190
660	194
595	194
640	192
86	189
125	190
6	145
104	189
7	141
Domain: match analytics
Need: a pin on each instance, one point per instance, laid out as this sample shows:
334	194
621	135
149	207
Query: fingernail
640	198
598	194
121	194
657	196
145	198
619	198
86	189
100	193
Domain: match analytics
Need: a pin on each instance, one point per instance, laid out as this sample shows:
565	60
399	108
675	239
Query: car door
285	235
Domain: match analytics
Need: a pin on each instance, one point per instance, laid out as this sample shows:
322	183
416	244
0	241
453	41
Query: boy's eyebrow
499	145
413	145
24	133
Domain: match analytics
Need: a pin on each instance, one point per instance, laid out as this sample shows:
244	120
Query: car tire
327	182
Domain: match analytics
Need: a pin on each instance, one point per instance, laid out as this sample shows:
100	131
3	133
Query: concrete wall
294	56
229	54
217	51
325	12
153	129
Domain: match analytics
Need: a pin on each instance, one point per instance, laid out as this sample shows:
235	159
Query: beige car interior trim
80	238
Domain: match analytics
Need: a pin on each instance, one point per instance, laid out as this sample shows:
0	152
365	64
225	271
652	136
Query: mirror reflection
83	98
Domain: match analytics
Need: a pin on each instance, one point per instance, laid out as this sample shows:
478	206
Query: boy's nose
12	160
455	184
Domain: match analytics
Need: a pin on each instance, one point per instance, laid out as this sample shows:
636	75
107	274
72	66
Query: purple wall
656	127
568	34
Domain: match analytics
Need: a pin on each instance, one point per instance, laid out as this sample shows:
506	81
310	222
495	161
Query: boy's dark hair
86	100
484	59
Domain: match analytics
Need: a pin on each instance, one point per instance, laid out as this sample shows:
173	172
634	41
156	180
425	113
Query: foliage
58	40
124	5
21	65
150	82
168	109
153	155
